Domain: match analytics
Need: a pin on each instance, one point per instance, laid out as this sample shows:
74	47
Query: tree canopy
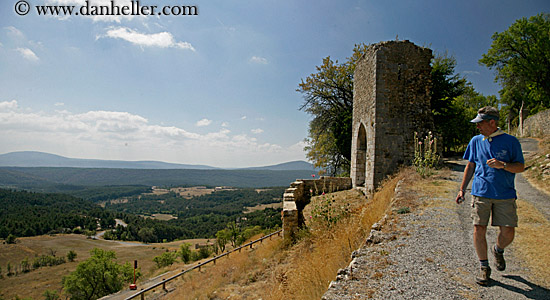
454	102
98	276
520	57
328	96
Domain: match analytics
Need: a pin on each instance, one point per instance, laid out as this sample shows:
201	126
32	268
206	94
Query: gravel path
428	254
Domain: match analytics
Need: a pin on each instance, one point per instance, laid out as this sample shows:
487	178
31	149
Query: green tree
204	252
147	235
10	273
446	87
222	238
520	57
165	259
25	265
50	295
97	276
11	239
328	96
454	102
185	253
71	255
234	231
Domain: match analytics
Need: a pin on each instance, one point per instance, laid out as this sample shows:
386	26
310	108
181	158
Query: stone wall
537	125
299	194
391	101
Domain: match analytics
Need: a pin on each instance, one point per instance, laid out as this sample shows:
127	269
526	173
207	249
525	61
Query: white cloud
225	124
162	39
203	122
28	54
257	130
123	135
15	33
243	118
258	60
7	106
59	104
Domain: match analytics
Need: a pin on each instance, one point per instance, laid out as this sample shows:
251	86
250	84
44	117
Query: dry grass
241	275
49	278
532	242
302	271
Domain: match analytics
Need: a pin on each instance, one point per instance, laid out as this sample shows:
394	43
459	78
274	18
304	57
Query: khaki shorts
503	211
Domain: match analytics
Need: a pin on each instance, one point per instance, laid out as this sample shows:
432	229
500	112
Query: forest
200	216
29	213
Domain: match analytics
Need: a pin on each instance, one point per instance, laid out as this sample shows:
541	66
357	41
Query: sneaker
484	276
500	263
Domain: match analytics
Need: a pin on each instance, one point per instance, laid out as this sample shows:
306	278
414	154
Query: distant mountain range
41	159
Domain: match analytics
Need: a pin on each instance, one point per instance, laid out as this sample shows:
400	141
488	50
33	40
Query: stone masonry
391	101
537	125
298	195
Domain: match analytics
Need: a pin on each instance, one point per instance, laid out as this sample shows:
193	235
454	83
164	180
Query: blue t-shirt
489	182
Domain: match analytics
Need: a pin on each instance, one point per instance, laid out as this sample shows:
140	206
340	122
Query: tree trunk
520	127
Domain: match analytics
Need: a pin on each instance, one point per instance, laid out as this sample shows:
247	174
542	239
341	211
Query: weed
403	210
327	212
425	154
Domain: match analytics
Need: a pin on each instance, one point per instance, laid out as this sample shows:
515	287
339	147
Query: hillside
28	159
45	178
41	159
29	214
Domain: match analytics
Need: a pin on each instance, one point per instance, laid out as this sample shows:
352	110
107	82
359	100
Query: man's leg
480	241
481	212
505	236
506	218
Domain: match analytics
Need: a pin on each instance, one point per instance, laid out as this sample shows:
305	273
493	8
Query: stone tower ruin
391	100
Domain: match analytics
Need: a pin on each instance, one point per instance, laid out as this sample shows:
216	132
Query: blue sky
218	88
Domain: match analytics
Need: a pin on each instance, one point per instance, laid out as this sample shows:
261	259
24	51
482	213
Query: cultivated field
34	283
188	192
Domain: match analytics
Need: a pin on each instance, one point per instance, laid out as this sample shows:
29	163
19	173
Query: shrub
185	253
165	259
50	295
71	255
11	239
204	252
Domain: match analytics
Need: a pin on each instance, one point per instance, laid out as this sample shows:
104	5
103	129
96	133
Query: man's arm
512	167
468	174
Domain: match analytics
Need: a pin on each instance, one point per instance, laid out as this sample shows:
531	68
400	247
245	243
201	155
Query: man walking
493	159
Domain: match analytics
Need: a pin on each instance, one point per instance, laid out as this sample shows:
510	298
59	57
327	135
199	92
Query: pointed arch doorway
360	157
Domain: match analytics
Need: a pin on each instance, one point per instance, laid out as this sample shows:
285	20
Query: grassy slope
49	278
